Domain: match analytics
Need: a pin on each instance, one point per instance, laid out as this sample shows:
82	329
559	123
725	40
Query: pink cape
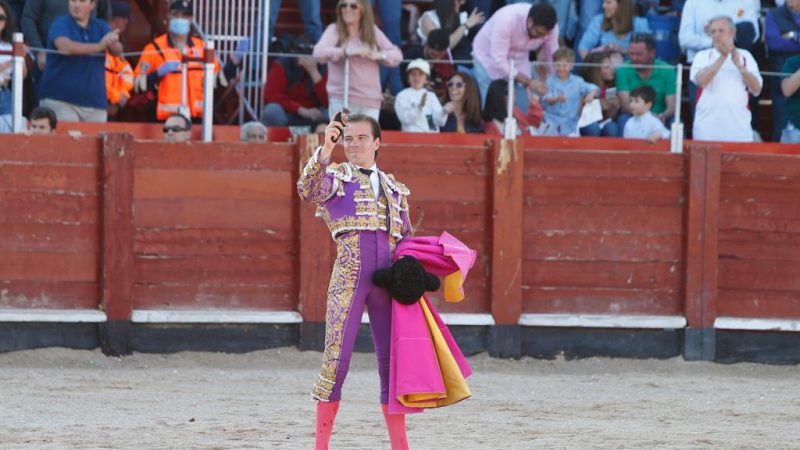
414	367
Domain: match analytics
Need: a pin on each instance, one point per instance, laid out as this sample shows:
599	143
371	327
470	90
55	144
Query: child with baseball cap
418	108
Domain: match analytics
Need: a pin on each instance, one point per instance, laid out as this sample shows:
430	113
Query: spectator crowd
578	67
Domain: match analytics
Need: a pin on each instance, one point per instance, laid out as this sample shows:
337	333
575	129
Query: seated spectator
789	86
726	75
43	121
661	78
696	18
119	73
73	84
418	109
782	33
295	92
7	29
445	16
566	95
600	73
355	36
435	49
462	105
512	33
495	111
177	128
39	15
643	124
612	29
254	132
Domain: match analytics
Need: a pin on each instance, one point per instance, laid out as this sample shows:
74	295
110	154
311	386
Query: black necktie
366	172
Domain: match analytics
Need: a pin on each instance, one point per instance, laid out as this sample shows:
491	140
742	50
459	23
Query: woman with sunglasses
612	29
463	105
7	29
355	37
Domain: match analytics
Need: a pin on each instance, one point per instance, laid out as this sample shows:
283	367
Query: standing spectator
436	49
512	33
462	105
418	109
73	84
566	95
177	128
696	20
612	29
446	16
600	73
7	29
309	12
725	74
43	121
295	93
159	67
39	15
661	78
119	73
355	36
254	133
643	124
782	32
789	88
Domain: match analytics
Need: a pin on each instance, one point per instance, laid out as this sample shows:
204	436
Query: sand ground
58	398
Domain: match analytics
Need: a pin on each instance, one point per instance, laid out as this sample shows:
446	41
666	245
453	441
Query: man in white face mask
161	64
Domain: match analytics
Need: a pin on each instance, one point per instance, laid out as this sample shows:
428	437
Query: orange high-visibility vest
161	50
119	78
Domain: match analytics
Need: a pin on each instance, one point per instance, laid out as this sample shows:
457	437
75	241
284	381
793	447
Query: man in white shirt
726	75
697	15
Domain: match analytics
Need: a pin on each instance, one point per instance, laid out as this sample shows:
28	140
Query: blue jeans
790	135
309	11
609	129
391	12
483	81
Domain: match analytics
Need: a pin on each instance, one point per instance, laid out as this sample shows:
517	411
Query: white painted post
511	124
346	99
208	91
17	121
676	137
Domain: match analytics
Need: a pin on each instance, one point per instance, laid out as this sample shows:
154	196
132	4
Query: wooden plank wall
49	222
759	236
214	226
603	232
450	191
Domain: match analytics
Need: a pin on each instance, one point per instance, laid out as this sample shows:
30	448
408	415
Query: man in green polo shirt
790	86
642	51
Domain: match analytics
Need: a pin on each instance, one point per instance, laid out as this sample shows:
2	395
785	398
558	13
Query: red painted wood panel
592	246
49	237
631	275
759	303
405	160
51	150
224	213
451	216
271	157
30	207
189	242
583	300
47	294
238	184
760	189
214	270
788	250
26	177
759	275
609	191
592	218
566	163
266	297
549	143
460	188
760	165
44	266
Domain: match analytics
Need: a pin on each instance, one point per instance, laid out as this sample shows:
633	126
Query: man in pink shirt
512	33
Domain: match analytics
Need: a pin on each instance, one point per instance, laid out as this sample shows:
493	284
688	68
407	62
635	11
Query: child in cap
643	124
419	109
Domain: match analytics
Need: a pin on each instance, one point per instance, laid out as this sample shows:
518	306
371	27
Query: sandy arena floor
57	398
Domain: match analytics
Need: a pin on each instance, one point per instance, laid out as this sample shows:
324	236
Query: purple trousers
358	255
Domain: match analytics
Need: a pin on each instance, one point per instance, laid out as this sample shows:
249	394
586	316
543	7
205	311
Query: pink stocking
326	414
396	423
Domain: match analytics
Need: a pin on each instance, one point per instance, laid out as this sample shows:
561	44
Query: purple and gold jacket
346	201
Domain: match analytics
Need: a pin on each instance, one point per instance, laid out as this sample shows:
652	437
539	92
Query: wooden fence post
316	255
505	338
117	242
702	255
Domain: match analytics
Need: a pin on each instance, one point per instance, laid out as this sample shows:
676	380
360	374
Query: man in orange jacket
119	73
160	66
